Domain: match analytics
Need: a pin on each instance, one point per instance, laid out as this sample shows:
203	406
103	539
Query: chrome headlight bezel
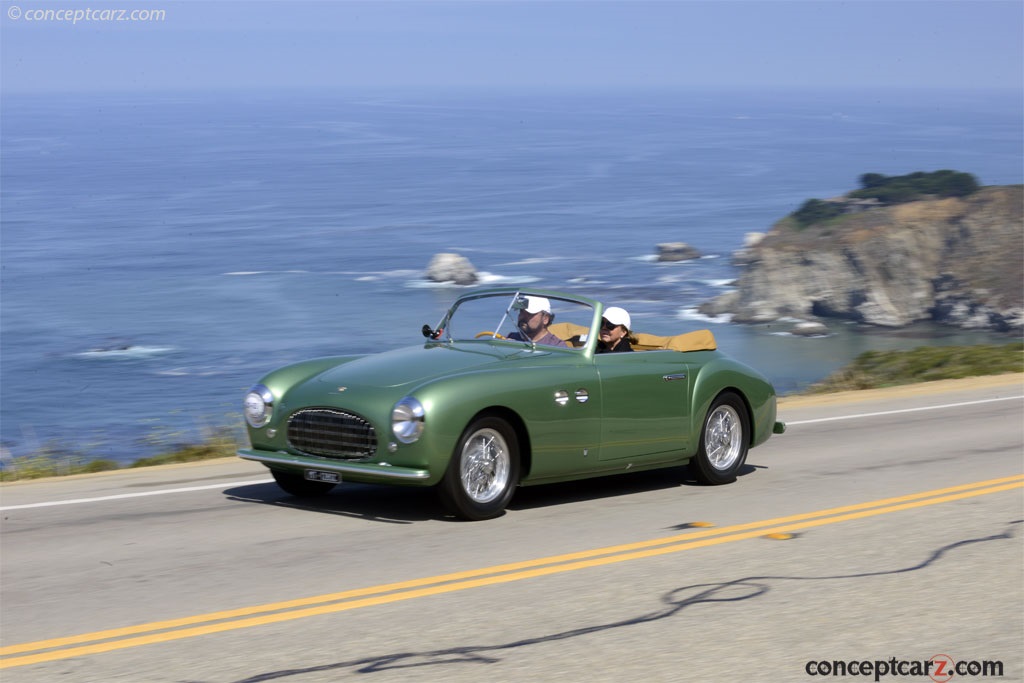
258	406
407	420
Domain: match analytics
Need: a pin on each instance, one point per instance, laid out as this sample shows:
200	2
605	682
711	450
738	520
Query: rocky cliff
958	261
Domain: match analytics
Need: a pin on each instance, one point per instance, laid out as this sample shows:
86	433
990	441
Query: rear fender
757	393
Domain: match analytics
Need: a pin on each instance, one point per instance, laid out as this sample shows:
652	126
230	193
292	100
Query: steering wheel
488	333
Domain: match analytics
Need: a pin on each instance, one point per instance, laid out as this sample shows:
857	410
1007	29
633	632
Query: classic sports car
477	413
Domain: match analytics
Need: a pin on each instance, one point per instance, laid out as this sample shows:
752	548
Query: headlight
258	406
407	420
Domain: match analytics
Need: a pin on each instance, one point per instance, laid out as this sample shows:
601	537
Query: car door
558	397
645	405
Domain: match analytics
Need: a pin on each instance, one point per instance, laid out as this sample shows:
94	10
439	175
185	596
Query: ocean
161	251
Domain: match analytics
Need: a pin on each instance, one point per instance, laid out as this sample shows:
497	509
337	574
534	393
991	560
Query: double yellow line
259	615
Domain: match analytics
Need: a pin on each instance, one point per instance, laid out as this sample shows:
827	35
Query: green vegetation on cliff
882	190
908	188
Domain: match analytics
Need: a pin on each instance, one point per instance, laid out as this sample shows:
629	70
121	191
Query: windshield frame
513	294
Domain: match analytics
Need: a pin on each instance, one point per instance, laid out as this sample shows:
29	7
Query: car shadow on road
611	486
408	505
673	603
386	504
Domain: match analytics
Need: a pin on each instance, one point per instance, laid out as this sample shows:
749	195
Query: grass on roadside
52	460
879	369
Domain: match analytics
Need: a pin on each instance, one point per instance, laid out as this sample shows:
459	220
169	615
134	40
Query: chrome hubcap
723	437
485	466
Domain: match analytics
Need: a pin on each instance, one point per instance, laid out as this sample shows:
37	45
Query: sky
44	46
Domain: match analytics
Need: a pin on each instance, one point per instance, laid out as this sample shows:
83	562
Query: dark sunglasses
605	325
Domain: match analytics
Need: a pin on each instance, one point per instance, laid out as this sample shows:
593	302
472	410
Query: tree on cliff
913	186
816	210
888	190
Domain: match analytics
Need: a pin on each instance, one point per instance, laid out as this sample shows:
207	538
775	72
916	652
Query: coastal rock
454	268
809	328
676	251
955	305
724	304
748	254
955	261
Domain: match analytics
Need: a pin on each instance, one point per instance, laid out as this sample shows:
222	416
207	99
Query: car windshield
520	316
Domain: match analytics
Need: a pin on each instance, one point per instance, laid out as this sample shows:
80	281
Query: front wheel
483	472
299	486
724	440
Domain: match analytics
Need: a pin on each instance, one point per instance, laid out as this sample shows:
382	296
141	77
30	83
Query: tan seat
570	333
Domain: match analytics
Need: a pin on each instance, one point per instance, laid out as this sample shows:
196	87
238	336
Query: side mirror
430	333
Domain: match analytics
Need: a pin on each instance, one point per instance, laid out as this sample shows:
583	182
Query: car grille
331	434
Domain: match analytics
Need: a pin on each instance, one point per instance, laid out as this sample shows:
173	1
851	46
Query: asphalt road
885	526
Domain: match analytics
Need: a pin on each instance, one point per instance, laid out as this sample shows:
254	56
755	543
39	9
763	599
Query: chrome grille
331	434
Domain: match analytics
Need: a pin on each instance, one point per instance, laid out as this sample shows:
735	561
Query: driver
533	323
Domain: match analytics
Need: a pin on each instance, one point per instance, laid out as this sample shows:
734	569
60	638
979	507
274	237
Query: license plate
320	475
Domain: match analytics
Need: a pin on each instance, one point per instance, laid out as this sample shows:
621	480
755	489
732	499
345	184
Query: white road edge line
137	495
903	410
267	481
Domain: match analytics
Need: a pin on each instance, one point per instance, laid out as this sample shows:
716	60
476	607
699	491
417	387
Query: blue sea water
161	251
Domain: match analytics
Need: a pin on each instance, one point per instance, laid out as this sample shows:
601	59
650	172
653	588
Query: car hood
416	365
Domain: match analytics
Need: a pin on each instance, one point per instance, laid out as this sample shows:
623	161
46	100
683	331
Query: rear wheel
483	471
296	485
724	440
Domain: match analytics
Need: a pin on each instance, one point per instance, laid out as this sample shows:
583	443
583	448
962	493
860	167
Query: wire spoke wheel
723	437
724	440
485	466
483	472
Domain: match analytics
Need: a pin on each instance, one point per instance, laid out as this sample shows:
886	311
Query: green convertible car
489	403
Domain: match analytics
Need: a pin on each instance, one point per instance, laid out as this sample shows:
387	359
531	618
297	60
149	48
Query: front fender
555	436
281	380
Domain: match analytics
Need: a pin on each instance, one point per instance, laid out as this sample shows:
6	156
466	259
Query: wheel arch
705	405
746	406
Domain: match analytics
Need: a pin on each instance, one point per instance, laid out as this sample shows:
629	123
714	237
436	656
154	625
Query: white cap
617	316
536	304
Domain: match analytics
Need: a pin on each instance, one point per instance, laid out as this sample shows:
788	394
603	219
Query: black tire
296	485
483	471
724	441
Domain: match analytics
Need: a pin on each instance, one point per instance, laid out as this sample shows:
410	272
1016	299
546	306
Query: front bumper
367	472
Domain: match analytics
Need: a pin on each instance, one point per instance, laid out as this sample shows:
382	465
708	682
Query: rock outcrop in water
453	268
677	251
957	261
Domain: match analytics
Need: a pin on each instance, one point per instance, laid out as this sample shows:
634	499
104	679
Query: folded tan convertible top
698	340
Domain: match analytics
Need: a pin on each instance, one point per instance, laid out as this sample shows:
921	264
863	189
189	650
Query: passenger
614	336
533	323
